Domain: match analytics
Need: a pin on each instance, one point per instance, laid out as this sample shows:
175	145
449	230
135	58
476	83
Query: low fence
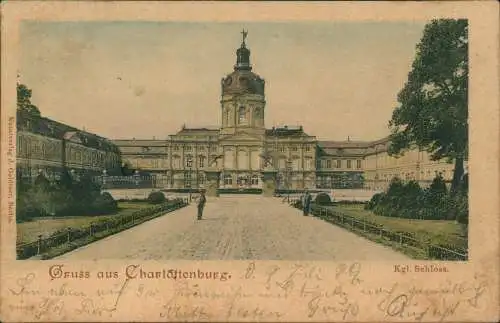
362	226
69	235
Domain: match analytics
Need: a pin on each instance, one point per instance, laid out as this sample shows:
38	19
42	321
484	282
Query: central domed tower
242	98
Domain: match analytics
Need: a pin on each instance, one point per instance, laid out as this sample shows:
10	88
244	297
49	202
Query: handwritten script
263	293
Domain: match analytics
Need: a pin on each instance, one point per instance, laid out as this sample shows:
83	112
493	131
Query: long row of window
283	148
241	180
328	163
191	148
53	150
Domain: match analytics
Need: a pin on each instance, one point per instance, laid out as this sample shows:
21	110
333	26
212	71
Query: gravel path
235	228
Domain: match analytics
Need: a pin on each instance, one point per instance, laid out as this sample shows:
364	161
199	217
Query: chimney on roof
348	138
286	127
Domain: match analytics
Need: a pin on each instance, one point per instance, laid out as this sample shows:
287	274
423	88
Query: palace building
48	147
242	150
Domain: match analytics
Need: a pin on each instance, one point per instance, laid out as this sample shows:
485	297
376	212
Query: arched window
229	159
257	113
308	163
282	163
176	161
242	159
228	180
242	115
255	180
201	161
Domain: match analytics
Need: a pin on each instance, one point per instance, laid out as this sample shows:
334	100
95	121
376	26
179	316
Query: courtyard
236	227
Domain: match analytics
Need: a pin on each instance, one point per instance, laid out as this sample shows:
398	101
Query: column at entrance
212	177
269	181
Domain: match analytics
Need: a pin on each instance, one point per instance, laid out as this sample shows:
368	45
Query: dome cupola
243	80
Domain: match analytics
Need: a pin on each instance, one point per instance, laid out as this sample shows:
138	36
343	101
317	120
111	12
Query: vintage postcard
249	161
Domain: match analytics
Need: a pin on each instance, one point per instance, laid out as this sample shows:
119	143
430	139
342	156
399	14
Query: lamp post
190	166
104	173
137	177
287	178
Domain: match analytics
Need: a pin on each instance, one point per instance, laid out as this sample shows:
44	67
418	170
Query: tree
24	101
432	114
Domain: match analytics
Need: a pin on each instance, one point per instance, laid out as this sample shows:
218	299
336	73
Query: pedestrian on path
306	203
201	204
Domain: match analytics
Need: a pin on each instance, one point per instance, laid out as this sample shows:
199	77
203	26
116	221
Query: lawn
446	232
29	231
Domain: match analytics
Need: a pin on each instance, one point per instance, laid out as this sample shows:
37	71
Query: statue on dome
244	33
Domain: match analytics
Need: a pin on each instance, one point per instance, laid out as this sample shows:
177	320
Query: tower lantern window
242	115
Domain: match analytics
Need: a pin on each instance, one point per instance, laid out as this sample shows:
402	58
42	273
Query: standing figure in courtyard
201	204
306	203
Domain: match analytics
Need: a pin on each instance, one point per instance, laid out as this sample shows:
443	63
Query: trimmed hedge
322	199
239	191
156	198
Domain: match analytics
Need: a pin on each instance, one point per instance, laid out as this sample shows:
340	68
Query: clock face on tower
229	80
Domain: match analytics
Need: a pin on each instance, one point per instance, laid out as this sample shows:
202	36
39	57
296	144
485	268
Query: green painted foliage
322	199
432	112
156	198
411	201
66	197
24	104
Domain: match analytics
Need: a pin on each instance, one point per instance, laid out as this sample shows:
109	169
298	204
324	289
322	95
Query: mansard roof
198	130
140	142
58	130
286	131
344	144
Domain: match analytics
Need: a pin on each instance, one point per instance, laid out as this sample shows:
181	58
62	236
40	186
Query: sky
146	79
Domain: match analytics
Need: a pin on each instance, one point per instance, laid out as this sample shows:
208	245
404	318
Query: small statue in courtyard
213	161
268	160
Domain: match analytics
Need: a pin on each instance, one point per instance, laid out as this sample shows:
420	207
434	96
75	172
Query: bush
374	201
410	201
65	197
156	198
462	208
104	204
322	199
438	186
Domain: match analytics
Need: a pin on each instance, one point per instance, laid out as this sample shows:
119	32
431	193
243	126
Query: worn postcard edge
483	110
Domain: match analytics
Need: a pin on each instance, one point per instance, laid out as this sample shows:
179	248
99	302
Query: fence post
364	225
69	235
39	244
90	230
400	238
352	223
